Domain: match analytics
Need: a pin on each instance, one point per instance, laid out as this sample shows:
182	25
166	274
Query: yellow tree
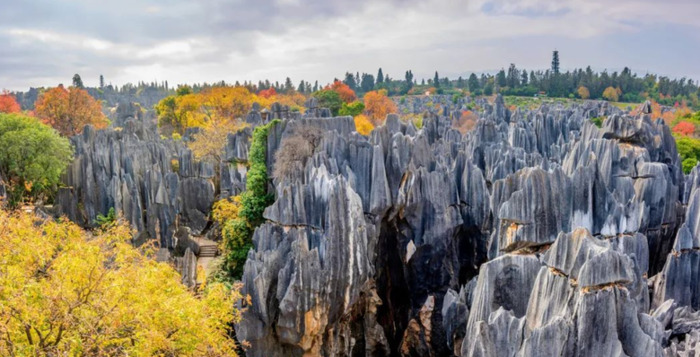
611	94
69	110
583	92
64	292
378	105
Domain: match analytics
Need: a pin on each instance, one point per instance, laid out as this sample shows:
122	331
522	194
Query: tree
611	94
267	93
473	83
378	105
102	82
8	103
555	63
350	80
330	99
523	78
380	76
684	128
363	125
208	144
69	292
501	78
436	80
353	109
583	92
346	93
367	83
77	81
69	110
408	84
32	157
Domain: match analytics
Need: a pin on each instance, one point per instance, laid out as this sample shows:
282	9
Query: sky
188	41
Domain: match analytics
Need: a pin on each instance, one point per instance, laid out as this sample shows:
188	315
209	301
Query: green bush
689	164
598	121
237	232
105	221
330	99
33	156
353	109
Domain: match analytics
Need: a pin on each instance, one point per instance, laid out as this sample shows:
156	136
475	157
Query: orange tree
69	110
378	105
8	103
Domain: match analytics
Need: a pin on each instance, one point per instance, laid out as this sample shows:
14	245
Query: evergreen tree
102	81
288	86
501	80
473	83
367	83
436	80
78	82
555	63
315	89
380	76
350	81
523	78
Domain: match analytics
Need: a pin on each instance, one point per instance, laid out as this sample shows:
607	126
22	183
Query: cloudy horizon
47	41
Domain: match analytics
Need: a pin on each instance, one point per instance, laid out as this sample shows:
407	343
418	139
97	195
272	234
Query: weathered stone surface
534	234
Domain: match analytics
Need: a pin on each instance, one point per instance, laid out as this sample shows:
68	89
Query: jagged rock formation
535	234
154	184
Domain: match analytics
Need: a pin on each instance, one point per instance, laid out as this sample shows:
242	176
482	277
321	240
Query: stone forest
521	213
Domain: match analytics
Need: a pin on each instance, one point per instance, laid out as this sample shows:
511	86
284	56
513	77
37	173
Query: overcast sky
183	41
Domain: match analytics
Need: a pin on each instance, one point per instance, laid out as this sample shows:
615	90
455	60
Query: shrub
598	121
33	156
108	220
330	99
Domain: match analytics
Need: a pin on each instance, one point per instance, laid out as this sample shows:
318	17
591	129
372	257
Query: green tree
352	109
380	76
473	83
77	81
32	157
330	99
436	80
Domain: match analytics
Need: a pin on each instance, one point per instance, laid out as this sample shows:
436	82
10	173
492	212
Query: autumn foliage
64	292
8	103
583	92
216	106
684	128
69	110
267	93
377	106
466	122
363	125
347	95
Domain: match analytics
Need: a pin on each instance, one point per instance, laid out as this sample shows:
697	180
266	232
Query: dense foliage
241	214
8	103
69	110
32	157
64	292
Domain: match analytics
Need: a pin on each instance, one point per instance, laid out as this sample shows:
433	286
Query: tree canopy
32	157
69	110
64	292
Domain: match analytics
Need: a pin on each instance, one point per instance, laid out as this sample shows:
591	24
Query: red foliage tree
346	94
684	128
8	103
267	93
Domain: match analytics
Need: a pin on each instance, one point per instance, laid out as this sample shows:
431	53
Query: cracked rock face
535	234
